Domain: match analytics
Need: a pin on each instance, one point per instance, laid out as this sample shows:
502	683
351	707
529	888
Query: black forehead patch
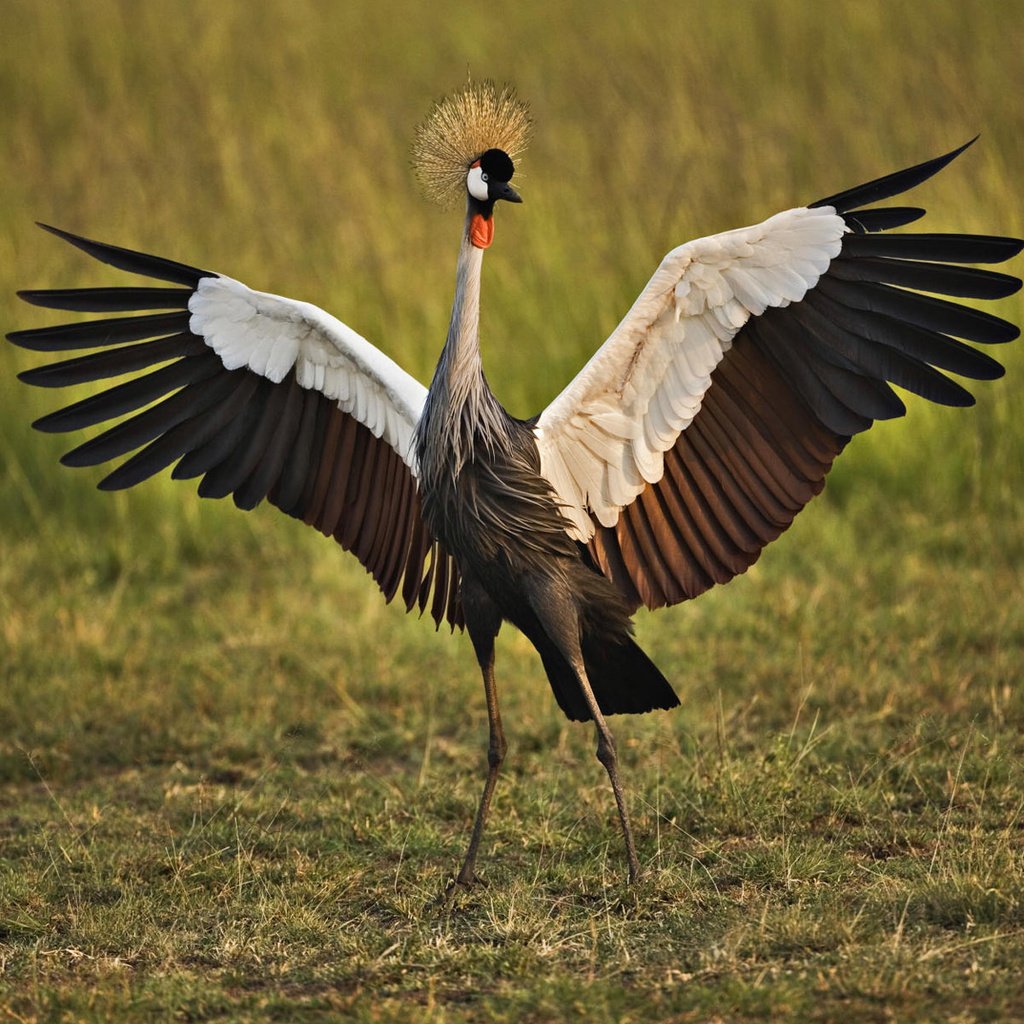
497	164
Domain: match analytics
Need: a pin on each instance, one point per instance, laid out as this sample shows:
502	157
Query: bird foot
467	880
464	882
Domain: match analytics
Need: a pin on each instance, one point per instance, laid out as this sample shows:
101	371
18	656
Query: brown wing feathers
243	434
725	494
798	382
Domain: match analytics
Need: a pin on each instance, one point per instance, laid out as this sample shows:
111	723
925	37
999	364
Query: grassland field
233	782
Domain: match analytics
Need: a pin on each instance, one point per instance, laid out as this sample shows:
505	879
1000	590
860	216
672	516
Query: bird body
485	497
692	438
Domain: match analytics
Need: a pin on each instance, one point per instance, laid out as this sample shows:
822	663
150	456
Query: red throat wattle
481	231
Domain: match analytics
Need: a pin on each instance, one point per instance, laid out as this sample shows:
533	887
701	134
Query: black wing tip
36	376
1011	286
1016	244
954	153
937	163
882	218
70	459
67	236
34	297
48	424
111	482
891	184
132	260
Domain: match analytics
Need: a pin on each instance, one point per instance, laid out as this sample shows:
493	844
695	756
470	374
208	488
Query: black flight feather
97	333
941	278
891	184
113	362
132	261
133	394
108	300
883	219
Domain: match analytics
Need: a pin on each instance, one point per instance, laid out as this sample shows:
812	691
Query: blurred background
270	141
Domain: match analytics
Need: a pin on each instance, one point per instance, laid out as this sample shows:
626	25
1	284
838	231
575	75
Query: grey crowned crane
691	438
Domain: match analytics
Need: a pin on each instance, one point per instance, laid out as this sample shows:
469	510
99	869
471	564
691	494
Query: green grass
233	784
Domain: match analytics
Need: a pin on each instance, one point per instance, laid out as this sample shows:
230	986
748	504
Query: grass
233	784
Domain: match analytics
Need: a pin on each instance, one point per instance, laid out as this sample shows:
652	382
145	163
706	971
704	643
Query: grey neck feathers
461	411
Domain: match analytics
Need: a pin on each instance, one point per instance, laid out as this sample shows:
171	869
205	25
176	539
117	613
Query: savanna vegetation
233	783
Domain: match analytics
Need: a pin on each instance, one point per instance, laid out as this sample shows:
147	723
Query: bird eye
483	177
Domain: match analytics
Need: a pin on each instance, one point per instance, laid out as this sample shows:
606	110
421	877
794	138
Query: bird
702	425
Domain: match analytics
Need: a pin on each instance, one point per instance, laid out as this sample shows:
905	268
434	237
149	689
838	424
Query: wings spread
712	414
602	441
261	396
690	440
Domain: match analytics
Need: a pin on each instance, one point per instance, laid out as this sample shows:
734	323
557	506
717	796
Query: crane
690	440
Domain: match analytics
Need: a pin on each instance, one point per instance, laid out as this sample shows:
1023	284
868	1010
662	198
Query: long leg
483	623
607	756
559	615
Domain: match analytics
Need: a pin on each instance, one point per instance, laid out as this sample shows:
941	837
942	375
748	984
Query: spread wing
712	414
262	397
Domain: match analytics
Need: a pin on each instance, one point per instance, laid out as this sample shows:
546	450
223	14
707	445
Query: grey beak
503	190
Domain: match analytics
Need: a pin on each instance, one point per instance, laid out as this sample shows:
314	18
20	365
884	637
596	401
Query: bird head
486	182
488	178
466	147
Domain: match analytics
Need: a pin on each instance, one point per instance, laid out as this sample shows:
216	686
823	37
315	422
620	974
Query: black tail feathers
624	680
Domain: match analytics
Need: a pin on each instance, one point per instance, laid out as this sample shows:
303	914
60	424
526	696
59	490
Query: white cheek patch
476	184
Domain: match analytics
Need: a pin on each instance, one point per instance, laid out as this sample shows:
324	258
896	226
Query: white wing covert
268	398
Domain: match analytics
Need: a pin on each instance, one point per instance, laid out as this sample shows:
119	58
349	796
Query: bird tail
624	679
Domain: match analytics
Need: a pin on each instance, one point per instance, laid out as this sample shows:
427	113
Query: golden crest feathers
459	129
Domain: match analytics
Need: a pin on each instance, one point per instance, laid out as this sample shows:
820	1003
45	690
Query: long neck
461	411
459	374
